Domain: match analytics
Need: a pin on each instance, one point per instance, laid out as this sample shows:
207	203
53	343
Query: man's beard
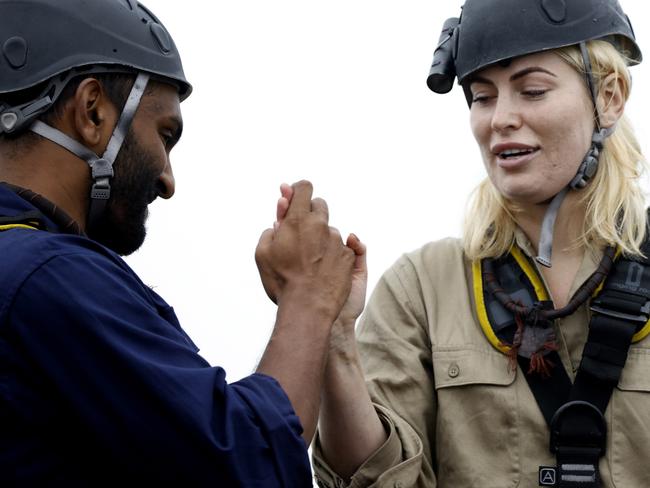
121	227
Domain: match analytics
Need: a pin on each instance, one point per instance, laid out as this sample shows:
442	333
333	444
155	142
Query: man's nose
166	184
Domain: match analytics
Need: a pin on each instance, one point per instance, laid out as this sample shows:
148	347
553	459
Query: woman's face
533	121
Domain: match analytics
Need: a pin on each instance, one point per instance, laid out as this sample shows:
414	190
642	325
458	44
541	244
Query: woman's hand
357	298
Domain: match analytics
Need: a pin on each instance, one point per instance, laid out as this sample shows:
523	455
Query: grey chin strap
101	167
586	171
545	246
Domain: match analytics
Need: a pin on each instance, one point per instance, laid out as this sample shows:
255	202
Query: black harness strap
550	392
575	414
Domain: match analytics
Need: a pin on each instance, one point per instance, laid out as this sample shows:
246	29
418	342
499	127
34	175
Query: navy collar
15	201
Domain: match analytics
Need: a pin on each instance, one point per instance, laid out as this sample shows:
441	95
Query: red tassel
539	363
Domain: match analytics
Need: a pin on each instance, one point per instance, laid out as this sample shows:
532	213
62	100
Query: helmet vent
160	34
15	51
555	10
127	4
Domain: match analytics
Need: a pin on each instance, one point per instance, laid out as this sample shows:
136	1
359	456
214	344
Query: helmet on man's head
489	31
53	40
46	43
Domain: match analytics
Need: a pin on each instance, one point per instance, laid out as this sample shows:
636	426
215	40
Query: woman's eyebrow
515	76
529	70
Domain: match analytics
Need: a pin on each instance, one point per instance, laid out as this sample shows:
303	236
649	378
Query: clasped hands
303	254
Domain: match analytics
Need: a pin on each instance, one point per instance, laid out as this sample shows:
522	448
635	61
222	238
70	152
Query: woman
475	350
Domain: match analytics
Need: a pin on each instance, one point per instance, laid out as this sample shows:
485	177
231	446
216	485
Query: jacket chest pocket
477	421
629	436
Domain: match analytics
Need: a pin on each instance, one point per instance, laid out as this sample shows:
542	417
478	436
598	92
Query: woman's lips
511	154
516	160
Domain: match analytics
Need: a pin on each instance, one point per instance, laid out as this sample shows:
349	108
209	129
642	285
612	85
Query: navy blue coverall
99	385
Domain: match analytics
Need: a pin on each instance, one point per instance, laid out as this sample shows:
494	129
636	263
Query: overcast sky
333	92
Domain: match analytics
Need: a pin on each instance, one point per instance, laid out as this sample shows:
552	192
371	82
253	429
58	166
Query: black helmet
44	39
489	31
45	43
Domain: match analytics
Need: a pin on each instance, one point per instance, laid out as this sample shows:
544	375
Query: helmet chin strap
101	167
586	171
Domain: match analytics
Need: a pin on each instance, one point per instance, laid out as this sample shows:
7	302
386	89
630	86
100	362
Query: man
99	385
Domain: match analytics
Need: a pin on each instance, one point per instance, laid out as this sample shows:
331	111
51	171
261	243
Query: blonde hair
614	202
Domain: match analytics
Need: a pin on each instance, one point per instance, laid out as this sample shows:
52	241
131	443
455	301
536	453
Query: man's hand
306	269
302	254
357	298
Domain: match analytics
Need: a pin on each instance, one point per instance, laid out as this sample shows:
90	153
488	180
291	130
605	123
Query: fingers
301	199
359	248
286	193
354	243
282	207
319	206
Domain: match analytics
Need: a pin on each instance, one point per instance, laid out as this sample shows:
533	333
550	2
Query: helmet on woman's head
489	31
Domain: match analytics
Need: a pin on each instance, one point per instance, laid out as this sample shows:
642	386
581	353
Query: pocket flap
636	373
470	366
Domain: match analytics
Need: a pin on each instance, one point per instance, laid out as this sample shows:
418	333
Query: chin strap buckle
589	164
102	172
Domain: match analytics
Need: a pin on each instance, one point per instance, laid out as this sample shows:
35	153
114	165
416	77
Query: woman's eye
480	98
534	93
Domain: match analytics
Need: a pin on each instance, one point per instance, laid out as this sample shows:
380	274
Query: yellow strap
17	226
540	292
533	277
481	311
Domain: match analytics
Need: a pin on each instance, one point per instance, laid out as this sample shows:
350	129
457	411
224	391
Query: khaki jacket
456	414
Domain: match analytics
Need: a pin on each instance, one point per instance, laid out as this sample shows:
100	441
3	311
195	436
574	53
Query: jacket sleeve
396	355
123	372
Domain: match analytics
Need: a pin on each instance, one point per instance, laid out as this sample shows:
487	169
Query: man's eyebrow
515	76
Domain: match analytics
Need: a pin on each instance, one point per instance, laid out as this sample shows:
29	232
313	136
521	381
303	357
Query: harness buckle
578	439
578	425
642	318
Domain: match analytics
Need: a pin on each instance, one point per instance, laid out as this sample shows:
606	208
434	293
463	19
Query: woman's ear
611	100
94	115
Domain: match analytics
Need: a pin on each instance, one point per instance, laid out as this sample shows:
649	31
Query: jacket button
398	484
454	370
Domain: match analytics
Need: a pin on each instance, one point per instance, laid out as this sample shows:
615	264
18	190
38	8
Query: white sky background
333	92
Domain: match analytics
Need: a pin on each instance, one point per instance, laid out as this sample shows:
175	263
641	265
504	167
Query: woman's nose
506	114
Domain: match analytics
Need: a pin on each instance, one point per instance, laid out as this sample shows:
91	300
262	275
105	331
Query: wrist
311	299
343	343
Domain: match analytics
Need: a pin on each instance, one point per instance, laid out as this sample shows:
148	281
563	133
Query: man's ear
94	115
611	100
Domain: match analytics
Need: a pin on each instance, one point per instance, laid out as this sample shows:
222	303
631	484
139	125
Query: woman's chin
523	191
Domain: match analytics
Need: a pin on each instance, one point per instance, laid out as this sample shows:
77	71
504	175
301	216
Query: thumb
359	248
